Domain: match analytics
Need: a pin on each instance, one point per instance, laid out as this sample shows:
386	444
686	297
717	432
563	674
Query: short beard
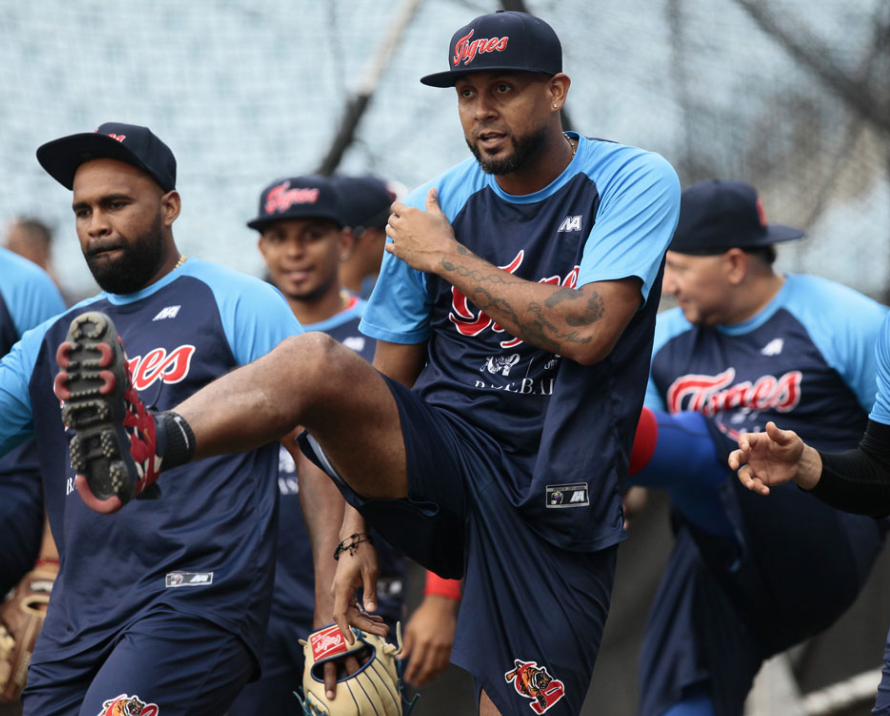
139	261
525	150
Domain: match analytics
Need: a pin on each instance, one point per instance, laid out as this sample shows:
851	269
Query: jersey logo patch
125	705
535	683
562	496
469	323
773	348
570	223
500	364
169	312
711	394
189	579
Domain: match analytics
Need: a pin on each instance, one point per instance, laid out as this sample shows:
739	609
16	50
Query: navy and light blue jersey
881	411
805	361
294	598
554	423
207	546
28	297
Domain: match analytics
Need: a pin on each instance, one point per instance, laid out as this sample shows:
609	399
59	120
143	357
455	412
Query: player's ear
346	242
737	265
558	89
171	205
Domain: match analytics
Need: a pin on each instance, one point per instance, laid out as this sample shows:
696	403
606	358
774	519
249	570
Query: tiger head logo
125	705
535	683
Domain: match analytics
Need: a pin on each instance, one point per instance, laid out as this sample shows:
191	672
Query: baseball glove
21	618
375	689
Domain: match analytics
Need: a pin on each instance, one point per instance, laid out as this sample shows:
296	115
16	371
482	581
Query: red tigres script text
157	365
282	197
710	394
465	51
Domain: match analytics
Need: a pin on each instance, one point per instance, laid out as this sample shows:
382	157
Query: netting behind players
244	93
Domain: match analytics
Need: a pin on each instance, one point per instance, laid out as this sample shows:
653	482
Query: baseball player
514	298
429	633
856	481
303	242
162	609
366	201
27	298
746	345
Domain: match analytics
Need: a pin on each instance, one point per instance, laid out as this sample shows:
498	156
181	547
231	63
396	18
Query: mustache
96	249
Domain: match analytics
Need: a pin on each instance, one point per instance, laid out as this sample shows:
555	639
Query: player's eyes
504	88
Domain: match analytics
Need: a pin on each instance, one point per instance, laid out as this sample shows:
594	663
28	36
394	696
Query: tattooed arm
581	324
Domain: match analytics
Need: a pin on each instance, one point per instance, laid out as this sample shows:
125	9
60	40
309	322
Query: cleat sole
92	384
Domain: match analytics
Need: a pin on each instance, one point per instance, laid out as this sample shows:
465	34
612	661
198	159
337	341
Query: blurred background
792	96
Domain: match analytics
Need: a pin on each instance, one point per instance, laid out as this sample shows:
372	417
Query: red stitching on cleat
60	387
142	449
107	354
62	354
108	382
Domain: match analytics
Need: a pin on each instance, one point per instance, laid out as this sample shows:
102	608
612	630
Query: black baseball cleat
114	448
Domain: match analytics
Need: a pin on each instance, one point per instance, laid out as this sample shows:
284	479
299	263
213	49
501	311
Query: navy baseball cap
504	40
718	215
366	200
128	143
306	197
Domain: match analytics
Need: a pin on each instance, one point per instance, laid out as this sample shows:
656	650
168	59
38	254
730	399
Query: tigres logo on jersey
125	705
533	682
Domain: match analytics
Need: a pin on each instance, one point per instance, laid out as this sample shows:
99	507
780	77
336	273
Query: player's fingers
369	590
342	603
782	437
429	667
414	663
407	642
105	507
352	664
330	679
432	201
735	459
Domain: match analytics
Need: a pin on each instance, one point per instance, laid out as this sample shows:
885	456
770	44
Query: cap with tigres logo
504	40
128	143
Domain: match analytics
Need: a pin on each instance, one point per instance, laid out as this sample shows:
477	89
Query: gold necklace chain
571	144
182	258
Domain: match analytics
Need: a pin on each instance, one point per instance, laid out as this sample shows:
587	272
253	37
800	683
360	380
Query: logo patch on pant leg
125	705
535	683
561	496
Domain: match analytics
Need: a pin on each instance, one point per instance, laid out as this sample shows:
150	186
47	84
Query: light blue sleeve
881	411
636	218
255	315
399	308
668	324
30	295
844	325
16	368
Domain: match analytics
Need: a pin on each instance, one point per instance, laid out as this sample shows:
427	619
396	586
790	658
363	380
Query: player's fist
422	239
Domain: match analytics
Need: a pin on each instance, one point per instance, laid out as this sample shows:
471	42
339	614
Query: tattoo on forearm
540	331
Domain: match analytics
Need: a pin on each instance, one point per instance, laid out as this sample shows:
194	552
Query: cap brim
776	233
61	157
449	78
261	222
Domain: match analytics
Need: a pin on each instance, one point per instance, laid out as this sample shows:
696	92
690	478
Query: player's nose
99	224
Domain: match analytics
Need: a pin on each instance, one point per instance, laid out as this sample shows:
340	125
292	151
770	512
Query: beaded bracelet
357	539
